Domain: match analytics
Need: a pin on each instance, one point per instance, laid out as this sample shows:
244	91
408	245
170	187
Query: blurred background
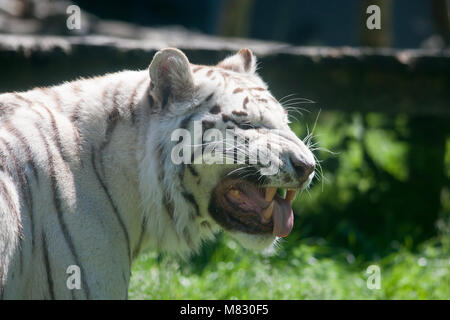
380	124
406	24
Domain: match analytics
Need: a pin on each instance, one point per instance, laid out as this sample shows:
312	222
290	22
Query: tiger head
219	146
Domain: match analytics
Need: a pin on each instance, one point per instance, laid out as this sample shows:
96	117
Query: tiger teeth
267	213
290	194
235	192
270	193
286	194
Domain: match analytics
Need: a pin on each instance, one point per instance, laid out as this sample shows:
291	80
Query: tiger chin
89	176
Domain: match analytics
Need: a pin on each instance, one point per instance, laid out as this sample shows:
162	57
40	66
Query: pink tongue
283	218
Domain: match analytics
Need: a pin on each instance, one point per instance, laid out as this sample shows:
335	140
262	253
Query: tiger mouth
244	206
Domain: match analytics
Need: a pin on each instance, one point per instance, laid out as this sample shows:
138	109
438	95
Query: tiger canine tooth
270	193
290	194
267	212
235	192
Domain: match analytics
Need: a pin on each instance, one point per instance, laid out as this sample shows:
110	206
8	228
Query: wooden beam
415	82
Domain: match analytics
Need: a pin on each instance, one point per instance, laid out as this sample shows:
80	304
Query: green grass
305	273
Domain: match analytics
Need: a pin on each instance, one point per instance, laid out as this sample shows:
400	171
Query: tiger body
86	177
62	174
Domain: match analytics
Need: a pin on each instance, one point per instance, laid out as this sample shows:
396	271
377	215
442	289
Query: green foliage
376	189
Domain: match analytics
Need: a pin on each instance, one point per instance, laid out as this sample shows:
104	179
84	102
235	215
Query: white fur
129	165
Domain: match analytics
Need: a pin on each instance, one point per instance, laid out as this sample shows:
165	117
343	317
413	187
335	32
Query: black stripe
137	249
59	210
37	113
209	97
151	101
19	97
56	133
184	123
24	144
12	208
124	276
215	110
29	196
20	176
208	124
10	157
5	109
54	95
112	120
132	104
190	197
114	115
168	205
10	203
75	118
241	125
47	267
192	170
31	206
165	96
115	210
111	123
247	147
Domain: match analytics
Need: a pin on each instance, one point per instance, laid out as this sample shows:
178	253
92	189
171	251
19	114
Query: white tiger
87	177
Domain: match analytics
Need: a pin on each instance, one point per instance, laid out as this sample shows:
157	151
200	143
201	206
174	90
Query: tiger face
231	146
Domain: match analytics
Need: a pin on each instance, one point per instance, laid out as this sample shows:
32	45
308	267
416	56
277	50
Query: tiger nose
303	168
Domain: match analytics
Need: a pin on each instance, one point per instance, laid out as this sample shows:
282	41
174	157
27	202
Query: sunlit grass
235	273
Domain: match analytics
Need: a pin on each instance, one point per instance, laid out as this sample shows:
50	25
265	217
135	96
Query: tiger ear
243	61
171	76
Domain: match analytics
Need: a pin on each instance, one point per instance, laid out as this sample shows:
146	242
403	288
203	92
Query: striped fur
86	177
